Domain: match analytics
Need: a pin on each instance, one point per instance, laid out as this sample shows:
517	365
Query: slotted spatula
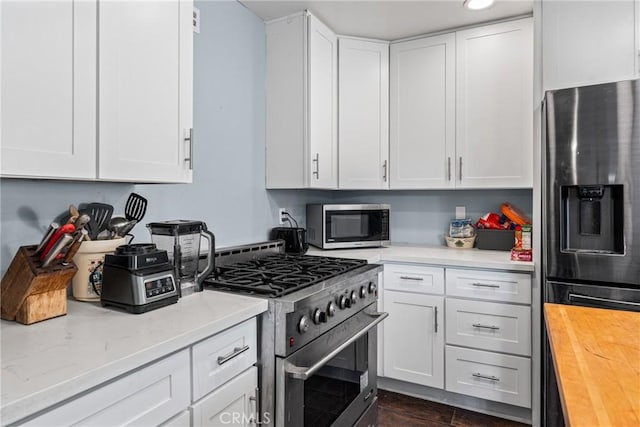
135	208
100	213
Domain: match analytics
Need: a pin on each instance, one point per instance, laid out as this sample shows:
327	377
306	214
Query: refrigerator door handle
594	300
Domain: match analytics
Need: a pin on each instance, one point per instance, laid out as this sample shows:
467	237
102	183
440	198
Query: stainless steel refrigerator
591	205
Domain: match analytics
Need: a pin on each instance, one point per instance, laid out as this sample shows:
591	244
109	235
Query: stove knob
363	292
343	302
331	309
319	316
354	297
372	287
303	324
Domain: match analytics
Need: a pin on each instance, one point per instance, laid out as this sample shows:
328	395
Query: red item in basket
491	221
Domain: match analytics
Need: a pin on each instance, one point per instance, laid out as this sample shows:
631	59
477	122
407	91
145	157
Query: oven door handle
303	372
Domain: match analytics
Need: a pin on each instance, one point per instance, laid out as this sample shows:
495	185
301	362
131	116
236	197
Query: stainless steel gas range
317	355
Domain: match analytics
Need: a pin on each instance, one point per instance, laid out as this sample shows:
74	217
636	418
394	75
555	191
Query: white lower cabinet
414	338
149	396
482	317
233	404
219	369
487	375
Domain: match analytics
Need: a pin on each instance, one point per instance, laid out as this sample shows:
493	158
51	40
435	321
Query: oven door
332	380
355	225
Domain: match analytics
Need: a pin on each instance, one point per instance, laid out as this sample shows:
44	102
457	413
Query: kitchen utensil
92	227
116	224
127	227
181	240
100	213
104	235
56	249
65	229
82	220
50	231
135	207
78	237
138	278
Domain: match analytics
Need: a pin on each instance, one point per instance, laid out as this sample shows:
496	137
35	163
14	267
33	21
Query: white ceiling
390	20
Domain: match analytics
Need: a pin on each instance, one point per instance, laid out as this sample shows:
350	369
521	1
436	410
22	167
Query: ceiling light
477	4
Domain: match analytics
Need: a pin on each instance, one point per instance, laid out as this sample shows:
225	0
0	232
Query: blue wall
228	185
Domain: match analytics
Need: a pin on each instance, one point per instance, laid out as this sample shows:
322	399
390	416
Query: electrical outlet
461	212
281	215
196	20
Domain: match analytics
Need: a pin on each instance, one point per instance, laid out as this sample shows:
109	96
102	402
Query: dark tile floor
397	410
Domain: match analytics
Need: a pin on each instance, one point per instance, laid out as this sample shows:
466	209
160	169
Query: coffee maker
181	239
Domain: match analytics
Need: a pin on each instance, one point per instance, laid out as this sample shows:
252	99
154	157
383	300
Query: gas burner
277	275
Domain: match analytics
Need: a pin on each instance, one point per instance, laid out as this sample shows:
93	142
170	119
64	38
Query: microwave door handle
304	373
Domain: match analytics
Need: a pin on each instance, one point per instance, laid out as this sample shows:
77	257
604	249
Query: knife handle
78	238
60	244
65	229
50	231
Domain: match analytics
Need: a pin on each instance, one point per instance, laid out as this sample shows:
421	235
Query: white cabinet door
149	396
494	105
589	42
301	103
48	89
145	94
422	113
414	338
232	404
323	104
363	137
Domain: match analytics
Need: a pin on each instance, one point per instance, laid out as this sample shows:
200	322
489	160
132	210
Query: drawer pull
237	351
485	377
480	325
435	318
412	278
485	285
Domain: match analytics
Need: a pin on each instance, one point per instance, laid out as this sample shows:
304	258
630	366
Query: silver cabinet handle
253	418
449	168
304	373
237	351
384	174
480	325
484	285
412	278
460	168
485	377
189	139
435	316
317	162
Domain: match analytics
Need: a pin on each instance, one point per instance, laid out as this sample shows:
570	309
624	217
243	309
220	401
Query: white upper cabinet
589	42
422	119
48	89
363	136
61	121
145	98
494	105
301	104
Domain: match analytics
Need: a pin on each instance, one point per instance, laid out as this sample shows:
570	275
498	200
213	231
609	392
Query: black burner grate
277	275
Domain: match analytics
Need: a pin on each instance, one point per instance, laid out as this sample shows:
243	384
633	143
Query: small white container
89	260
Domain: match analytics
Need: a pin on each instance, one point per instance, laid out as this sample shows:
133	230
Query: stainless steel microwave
347	226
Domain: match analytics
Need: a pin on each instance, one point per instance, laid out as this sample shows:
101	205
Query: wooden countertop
596	355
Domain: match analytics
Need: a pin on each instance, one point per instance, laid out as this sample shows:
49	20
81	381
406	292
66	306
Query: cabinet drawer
149	396
232	404
489	285
223	356
489	376
414	278
490	326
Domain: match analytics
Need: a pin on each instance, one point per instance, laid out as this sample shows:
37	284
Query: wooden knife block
31	293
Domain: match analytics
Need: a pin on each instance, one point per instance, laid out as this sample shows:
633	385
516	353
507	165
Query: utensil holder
31	293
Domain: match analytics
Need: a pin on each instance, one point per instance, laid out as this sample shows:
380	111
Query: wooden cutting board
596	356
